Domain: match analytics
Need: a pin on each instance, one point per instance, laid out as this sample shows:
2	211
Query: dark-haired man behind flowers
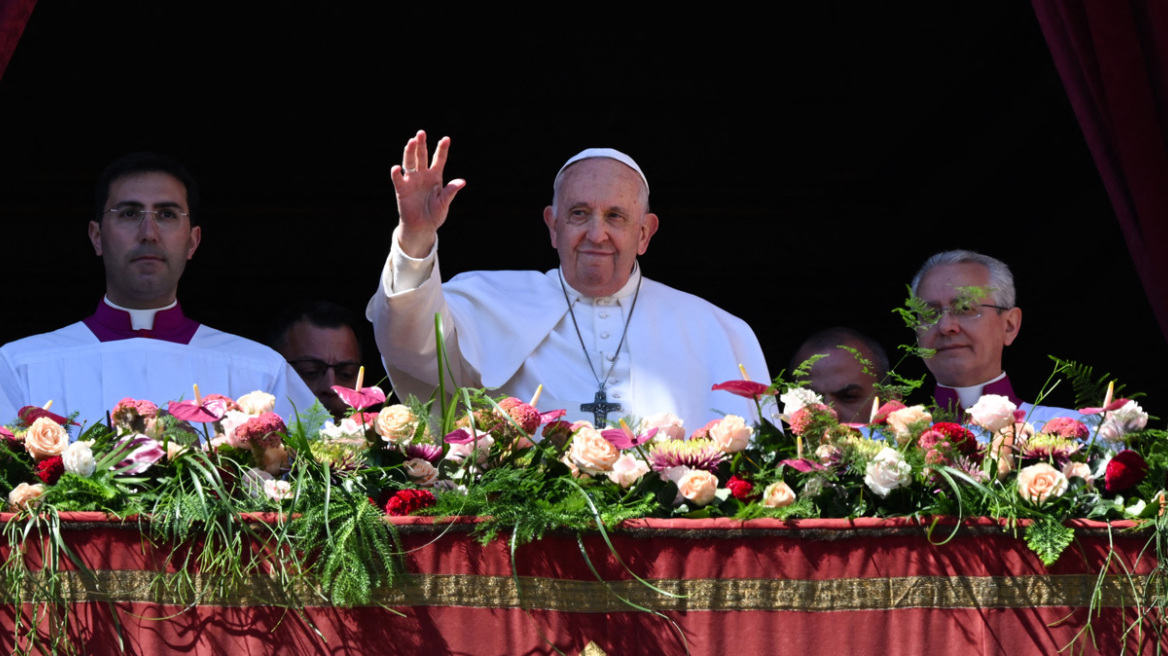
594	329
139	343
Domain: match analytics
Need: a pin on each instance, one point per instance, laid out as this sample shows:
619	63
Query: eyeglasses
163	216
311	369
962	313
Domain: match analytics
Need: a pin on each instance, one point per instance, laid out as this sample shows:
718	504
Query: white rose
731	435
627	470
1129	418
669	426
78	459
992	412
796	398
886	472
278	490
257	403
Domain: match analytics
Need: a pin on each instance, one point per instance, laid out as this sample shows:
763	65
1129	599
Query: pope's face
324	357
969	351
144	257
840	379
600	225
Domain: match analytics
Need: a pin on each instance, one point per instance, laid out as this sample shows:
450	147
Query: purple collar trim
110	325
946	397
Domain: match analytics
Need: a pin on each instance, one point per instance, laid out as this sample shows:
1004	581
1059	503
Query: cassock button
616	395
604	335
603	315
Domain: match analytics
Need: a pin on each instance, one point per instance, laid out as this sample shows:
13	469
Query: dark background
803	163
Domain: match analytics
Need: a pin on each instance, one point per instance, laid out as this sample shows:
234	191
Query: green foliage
1089	389
100	492
1047	537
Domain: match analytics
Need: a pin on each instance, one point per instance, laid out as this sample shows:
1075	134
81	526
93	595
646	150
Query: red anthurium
30	413
360	398
747	389
192	411
802	464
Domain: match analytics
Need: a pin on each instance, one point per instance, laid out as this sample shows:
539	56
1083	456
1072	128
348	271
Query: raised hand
422	200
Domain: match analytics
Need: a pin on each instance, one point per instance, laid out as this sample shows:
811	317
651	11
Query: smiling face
144	257
969	351
599	224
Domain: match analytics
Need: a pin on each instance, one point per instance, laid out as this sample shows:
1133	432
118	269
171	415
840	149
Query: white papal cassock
89	366
511	330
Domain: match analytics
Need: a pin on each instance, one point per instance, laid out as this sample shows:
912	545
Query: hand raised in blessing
422	200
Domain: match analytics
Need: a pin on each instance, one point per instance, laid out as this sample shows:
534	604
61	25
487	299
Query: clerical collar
966	397
629	288
112	323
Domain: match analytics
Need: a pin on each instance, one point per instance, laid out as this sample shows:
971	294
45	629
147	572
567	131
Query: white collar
629	289
140	319
970	395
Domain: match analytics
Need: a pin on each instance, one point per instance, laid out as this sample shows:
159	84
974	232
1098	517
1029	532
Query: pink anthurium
747	389
192	411
802	464
624	437
550	416
460	436
360	397
1110	407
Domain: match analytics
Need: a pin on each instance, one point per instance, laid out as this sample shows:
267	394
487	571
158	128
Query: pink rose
480	447
1001	451
627	470
992	412
669	426
45	438
591	452
1080	469
731	435
421	471
22	497
1037	483
698	486
778	495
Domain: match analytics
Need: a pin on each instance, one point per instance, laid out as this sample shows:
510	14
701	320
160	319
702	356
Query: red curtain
1112	57
13	17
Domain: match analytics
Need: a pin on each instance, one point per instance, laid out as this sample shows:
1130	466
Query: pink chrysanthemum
970	467
407	502
1048	446
524	414
1065	427
695	454
427	451
265	430
50	469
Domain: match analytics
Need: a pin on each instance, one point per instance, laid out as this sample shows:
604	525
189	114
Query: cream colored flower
627	470
1037	483
24	496
731	434
992	412
257	403
45	438
669	426
396	423
1080	469
887	471
900	420
778	495
591	452
78	459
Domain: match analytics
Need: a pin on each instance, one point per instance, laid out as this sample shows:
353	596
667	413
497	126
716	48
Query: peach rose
257	403
24	495
900	420
1080	469
731	435
1037	483
273	459
778	495
591	452
698	486
396	423
45	438
1001	451
421	471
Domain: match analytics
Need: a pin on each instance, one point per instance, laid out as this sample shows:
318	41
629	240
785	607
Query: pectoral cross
600	409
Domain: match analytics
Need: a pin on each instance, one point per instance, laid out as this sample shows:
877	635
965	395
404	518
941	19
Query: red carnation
742	489
888	408
50	469
408	502
959	436
1125	471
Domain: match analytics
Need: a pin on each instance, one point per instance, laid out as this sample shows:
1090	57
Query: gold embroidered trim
598	597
